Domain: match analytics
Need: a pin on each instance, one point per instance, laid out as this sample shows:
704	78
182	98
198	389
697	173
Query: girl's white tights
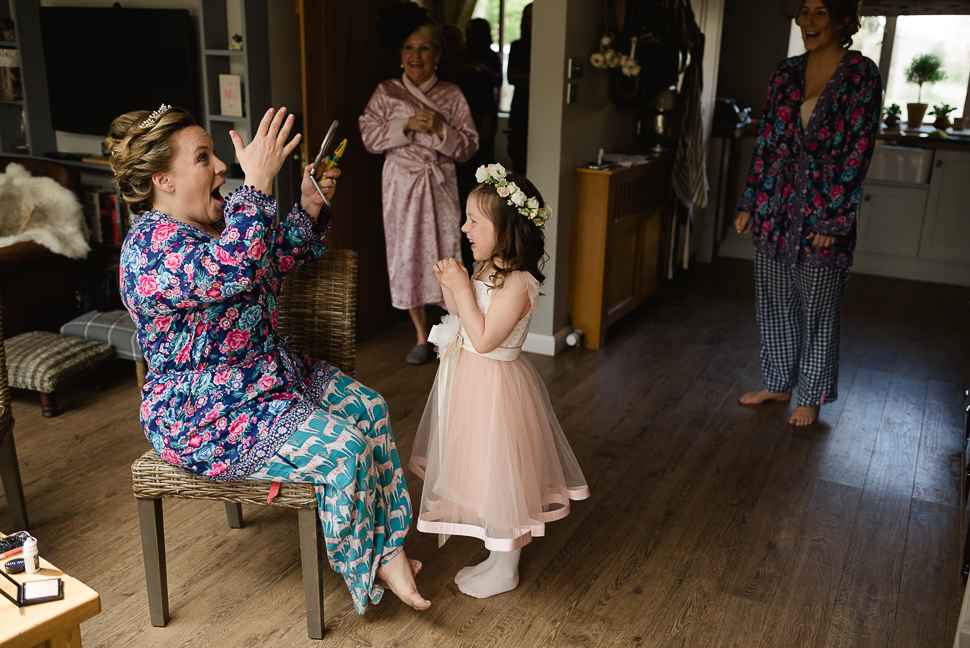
498	573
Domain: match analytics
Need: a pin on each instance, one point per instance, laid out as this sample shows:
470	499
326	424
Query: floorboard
709	523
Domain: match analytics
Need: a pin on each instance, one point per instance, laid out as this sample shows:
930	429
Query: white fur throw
37	208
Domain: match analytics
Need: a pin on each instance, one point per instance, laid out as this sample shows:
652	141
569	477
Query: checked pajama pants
800	317
346	449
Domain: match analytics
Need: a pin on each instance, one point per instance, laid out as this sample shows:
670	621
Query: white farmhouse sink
901	164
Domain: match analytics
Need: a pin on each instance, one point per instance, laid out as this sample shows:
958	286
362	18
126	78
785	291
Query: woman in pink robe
422	126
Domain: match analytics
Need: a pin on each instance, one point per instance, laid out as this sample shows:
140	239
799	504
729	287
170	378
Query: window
493	11
946	36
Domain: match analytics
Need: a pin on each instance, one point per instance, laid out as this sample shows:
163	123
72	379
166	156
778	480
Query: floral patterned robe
223	391
422	217
810	180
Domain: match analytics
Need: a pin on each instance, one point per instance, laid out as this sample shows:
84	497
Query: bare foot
475	570
398	575
490	583
760	396
804	415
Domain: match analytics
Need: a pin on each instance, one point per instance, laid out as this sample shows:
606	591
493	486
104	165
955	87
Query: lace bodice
483	299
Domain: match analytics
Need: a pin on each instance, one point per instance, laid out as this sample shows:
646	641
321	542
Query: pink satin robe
422	217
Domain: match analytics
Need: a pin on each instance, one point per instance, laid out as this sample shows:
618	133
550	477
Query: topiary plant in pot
925	68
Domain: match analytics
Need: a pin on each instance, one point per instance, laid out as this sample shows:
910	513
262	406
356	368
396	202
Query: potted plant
942	113
925	68
892	114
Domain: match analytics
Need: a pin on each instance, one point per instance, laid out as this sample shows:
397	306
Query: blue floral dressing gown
227	399
810	180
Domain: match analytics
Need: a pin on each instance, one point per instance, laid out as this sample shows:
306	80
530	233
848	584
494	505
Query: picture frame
230	95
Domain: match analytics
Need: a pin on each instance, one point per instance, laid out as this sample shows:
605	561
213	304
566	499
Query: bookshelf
25	122
251	64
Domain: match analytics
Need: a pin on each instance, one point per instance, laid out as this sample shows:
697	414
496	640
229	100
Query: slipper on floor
421	354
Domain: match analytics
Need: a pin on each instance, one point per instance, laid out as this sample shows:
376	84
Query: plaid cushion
42	361
113	327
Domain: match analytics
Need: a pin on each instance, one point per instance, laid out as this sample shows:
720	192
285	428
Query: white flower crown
152	118
494	174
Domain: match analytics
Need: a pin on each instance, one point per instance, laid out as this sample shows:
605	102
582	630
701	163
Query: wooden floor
710	524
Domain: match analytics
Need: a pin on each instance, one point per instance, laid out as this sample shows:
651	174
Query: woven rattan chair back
4	384
13	488
318	307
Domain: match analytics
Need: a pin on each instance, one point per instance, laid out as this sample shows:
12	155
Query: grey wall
755	40
563	136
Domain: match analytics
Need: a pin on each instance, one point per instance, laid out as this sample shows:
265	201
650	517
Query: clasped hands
451	274
743	225
427	121
263	158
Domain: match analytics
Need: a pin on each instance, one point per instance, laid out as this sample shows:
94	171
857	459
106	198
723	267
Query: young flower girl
494	460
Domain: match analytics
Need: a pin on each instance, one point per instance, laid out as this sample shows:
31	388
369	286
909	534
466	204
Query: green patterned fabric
42	361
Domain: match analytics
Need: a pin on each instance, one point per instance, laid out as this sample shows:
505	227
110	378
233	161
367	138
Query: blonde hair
139	152
431	33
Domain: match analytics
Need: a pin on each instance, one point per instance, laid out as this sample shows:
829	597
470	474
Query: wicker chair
9	468
317	307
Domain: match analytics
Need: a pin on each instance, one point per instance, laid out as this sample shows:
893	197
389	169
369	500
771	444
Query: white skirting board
883	265
962	638
548	345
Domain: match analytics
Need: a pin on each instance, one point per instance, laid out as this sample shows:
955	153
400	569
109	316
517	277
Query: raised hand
310	200
264	156
451	274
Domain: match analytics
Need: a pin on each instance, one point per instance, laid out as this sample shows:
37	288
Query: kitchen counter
959	140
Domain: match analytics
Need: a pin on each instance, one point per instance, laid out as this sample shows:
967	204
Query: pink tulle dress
494	460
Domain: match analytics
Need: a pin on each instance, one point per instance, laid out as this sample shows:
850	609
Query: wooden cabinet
946	232
621	230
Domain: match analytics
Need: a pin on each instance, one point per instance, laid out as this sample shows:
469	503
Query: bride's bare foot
398	574
762	395
804	415
475	570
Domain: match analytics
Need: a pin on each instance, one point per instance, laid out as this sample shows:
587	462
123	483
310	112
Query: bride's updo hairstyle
141	147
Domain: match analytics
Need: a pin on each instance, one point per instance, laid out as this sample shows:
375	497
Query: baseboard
954	274
548	345
883	265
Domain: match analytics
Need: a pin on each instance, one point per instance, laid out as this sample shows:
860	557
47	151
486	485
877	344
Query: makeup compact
15	566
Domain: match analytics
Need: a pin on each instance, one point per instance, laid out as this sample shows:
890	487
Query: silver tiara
152	118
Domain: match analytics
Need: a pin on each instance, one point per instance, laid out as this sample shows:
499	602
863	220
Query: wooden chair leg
48	404
310	537
153	547
140	370
234	513
13	488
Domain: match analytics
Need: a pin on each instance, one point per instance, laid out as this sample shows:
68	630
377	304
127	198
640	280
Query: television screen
102	62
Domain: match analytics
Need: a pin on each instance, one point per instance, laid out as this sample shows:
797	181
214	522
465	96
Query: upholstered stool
114	327
154	479
42	361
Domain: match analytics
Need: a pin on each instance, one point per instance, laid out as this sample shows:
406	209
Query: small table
55	623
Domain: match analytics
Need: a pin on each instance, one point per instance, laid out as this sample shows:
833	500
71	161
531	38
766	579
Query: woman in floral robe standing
801	204
225	397
423	126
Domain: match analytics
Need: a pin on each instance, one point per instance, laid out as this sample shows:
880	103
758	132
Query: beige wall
755	40
563	136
